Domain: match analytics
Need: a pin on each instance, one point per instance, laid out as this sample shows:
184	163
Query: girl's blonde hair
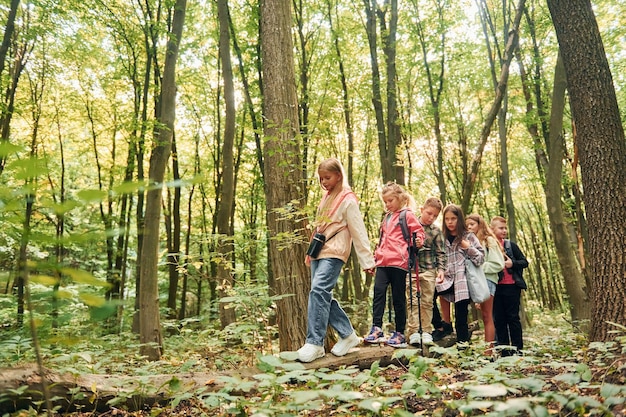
405	198
483	231
331	165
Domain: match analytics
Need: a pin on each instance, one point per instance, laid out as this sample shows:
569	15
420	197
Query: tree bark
579	301
149	323
283	174
602	152
225	273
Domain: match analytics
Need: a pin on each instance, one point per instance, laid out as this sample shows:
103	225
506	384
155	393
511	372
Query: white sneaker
310	352
416	340
344	345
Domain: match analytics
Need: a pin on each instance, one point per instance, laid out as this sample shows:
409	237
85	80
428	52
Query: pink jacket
392	249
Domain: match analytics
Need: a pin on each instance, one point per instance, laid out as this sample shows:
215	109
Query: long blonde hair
327	204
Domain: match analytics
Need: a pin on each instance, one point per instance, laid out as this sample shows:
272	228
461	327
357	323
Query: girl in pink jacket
392	263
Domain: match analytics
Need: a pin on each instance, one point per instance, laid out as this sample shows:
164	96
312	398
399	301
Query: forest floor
560	374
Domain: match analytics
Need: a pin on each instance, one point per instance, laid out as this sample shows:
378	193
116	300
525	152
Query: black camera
316	245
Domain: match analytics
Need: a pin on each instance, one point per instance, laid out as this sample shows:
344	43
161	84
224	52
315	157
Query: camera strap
336	233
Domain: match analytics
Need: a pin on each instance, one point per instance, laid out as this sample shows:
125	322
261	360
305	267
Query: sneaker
427	339
415	339
376	335
310	352
397	340
344	345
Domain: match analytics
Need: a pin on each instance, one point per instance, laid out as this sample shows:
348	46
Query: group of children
439	270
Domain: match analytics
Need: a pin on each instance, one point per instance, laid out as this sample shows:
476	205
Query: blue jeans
324	310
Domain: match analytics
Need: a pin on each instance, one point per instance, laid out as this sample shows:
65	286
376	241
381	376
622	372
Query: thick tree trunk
283	174
602	151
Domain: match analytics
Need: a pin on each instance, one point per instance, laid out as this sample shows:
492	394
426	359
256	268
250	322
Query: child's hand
465	243
508	263
440	275
370	271
307	260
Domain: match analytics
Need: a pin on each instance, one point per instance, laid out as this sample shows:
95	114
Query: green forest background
452	98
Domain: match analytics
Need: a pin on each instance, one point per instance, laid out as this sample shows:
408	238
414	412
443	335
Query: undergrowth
560	374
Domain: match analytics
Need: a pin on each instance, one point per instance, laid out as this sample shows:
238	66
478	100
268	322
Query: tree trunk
149	323
602	151
225	273
283	174
579	301
174	234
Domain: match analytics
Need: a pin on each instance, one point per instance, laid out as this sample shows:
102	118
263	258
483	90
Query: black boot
446	329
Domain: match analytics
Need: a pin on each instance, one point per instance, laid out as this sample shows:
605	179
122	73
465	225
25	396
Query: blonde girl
340	221
392	264
494	263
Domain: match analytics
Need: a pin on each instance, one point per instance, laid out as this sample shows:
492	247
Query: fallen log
22	387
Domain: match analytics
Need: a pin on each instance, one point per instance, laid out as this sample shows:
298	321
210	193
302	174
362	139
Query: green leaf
7	149
475	405
288	355
584	371
302	397
84	277
568	378
491	390
44	280
532	384
92	300
102	312
129	187
174	384
609	390
92	195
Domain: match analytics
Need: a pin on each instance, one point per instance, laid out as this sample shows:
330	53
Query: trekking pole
418	290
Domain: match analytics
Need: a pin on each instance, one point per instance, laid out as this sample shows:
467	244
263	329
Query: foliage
559	374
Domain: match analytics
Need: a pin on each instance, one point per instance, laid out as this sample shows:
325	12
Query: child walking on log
392	263
339	224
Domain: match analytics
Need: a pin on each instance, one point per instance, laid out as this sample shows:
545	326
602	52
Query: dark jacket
519	263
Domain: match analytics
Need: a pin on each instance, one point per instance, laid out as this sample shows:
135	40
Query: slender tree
149	323
225	247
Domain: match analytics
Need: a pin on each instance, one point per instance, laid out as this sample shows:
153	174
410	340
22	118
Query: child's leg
486	311
445	309
460	320
381	282
398	294
427	287
412	313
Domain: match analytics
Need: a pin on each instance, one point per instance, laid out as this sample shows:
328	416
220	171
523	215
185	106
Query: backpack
407	238
404	227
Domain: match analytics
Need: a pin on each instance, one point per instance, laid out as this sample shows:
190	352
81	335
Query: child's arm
415	227
494	259
358	232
